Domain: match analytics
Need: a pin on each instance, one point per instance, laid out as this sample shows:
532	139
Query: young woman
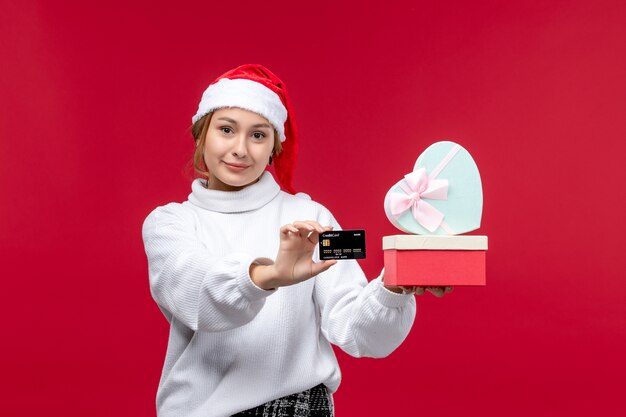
234	269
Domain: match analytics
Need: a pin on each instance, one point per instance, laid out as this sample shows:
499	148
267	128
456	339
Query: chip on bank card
342	244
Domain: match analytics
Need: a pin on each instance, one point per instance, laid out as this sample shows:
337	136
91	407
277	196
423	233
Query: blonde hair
199	131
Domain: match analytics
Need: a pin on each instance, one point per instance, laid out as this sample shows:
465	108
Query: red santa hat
255	88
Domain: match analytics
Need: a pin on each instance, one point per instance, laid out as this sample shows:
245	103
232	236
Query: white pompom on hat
255	88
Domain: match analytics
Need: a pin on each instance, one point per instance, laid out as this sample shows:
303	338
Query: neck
249	197
213	183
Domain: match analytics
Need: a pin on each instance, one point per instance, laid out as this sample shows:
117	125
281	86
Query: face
237	148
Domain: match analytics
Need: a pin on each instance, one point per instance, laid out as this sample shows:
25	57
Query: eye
226	129
258	135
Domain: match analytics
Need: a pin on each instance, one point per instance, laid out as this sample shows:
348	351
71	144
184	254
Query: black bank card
342	244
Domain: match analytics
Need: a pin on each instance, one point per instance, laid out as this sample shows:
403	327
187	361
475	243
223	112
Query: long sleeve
253	345
363	319
205	292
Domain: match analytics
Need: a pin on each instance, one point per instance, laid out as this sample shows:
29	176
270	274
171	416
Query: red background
96	102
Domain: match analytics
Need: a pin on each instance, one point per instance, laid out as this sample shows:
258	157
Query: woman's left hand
419	290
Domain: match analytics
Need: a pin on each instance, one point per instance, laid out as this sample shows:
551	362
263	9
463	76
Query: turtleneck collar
248	198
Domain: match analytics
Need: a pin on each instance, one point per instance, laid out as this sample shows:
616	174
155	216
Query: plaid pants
314	402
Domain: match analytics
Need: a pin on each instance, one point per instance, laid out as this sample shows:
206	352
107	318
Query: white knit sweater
233	345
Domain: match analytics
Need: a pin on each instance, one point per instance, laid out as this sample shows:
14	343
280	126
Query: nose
240	146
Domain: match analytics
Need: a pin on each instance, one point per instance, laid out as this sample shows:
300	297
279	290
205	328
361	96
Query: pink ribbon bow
418	186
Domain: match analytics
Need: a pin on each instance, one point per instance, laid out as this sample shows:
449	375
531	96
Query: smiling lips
235	167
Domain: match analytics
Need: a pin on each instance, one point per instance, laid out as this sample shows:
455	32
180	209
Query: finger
288	228
304	229
419	290
315	225
318	227
409	289
303	226
449	290
319	267
436	291
313	237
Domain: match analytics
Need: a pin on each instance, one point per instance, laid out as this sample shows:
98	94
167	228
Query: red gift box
435	260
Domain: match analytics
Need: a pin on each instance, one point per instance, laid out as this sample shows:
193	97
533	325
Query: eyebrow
228	119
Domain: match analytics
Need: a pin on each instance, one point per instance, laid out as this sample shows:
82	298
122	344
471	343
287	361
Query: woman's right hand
294	261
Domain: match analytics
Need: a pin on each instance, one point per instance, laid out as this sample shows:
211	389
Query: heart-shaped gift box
442	196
